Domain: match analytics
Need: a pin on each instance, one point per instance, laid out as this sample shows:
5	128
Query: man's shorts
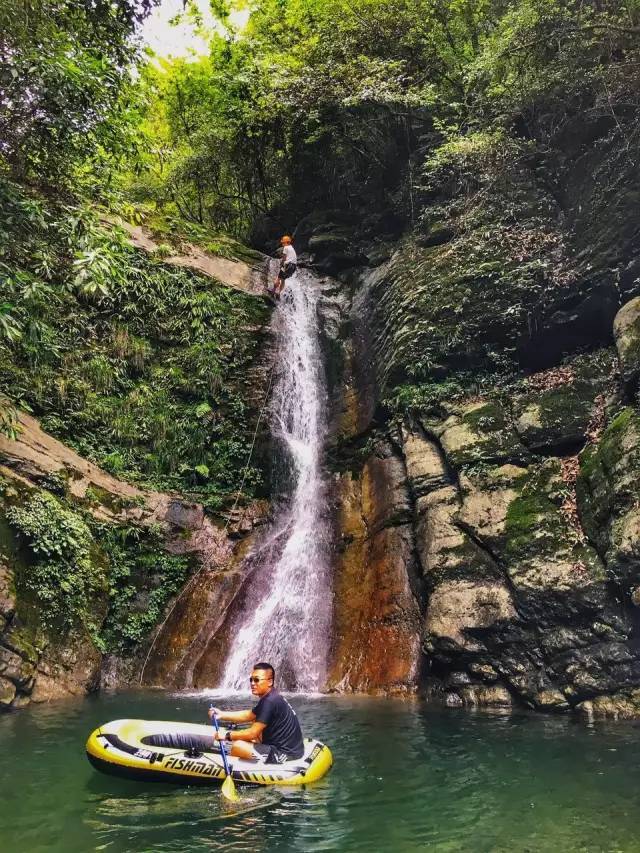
269	754
287	271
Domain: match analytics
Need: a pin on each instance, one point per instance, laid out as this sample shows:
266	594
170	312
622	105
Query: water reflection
144	811
406	779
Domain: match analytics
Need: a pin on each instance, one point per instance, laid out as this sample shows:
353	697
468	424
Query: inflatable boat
148	750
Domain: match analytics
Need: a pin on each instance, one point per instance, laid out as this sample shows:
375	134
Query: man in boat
288	265
274	735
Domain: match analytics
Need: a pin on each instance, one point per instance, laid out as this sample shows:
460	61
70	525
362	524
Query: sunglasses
253	679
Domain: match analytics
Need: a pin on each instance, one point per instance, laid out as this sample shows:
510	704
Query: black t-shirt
282	727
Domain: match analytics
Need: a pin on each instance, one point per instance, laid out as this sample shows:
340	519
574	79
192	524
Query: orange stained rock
377	619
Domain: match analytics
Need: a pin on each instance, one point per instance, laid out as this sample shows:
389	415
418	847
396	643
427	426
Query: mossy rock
463	303
555	421
97	496
620	706
626	329
326	242
608	490
487	495
321	221
439	233
7	692
465	561
553	569
481	432
533	525
334	250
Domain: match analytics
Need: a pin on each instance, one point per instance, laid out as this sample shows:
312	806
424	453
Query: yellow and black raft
186	753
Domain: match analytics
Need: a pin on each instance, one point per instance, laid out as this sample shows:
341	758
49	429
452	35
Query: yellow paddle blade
229	789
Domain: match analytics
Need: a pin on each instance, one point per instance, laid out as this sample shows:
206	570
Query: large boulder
518	600
461	611
320	221
556	420
626	331
478	431
619	706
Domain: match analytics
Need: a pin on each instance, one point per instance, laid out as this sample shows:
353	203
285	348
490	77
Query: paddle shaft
214	720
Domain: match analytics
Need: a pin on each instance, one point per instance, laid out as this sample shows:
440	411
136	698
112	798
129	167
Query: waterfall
286	615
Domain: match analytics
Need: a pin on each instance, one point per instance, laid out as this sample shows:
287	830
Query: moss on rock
608	491
556	420
626	329
478	432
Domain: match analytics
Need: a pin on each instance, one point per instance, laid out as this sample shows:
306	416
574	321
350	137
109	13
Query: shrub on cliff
140	366
63	576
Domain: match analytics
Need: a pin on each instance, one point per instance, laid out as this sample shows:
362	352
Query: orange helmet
286	240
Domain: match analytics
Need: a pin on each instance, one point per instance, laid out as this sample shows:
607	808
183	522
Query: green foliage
64	68
142	579
320	101
64	574
115	581
313	104
9	425
323	104
138	365
425	395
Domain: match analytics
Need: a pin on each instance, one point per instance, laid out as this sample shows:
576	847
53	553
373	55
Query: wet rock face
37	668
532	268
333	251
471	506
459	610
189	650
526	504
376	613
518	575
377	596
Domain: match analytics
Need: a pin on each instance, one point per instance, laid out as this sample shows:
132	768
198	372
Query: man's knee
243	749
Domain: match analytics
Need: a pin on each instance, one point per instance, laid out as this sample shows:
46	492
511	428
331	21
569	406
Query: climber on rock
274	735
288	265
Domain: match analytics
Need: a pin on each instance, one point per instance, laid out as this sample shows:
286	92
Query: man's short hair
267	668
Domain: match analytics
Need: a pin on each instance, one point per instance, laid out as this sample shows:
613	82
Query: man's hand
215	711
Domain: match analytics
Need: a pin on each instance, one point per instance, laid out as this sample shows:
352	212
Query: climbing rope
194	578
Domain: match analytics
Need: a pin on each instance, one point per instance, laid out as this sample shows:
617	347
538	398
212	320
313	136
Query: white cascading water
287	611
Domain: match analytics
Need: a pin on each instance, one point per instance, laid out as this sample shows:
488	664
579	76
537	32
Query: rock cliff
483	456
488	429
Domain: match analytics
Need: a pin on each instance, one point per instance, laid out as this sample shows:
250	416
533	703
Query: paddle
228	786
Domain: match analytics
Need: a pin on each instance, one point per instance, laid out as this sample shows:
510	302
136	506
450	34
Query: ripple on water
146	812
405	779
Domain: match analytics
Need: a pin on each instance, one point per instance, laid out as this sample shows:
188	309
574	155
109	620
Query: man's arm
254	732
232	716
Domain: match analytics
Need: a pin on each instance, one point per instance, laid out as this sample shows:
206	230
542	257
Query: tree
63	67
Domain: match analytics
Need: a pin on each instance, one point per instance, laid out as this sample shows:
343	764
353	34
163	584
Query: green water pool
406	778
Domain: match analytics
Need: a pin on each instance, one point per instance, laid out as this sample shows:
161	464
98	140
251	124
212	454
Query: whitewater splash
287	612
